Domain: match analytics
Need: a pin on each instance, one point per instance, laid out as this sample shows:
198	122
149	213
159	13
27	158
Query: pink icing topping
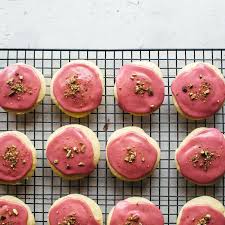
15	158
71	152
74	209
15	76
191	161
86	84
8	216
139	213
210	90
193	214
139	89
134	148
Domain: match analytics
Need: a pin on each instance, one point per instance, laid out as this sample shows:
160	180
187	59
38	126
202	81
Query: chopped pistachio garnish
69	153
69	220
2	217
140	89
72	87
82	147
152	106
11	156
21	77
81	164
204	220
68	166
16	87
199	94
71	150
184	89
203	159
131	155
190	86
133	220
15	212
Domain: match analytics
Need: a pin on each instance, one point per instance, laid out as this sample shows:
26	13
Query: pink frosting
7	216
213	141
31	82
72	207
146	155
192	214
90	94
71	137
126	82
147	214
24	160
199	108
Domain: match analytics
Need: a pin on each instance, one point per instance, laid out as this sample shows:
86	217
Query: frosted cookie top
12	213
131	155
126	212
201	214
139	89
77	87
201	156
199	90
71	152
73	209
20	87
16	157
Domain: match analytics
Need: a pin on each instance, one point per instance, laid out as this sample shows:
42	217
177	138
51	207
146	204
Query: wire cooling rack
166	188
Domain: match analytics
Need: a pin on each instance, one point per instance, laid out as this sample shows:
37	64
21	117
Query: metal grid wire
166	188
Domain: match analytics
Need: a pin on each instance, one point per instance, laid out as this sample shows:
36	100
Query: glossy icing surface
15	158
136	213
12	213
131	155
71	210
139	89
78	88
202	158
20	87
193	215
199	92
71	152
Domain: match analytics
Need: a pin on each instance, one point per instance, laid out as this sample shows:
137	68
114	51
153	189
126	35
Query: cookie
198	91
202	210
73	151
131	154
22	88
200	157
18	157
15	211
135	210
139	88
77	88
75	209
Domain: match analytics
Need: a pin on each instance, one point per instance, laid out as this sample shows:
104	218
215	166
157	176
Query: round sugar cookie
139	88
22	88
75	209
131	154
77	88
198	91
73	151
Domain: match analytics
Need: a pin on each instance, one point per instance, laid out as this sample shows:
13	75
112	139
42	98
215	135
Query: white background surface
112	23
